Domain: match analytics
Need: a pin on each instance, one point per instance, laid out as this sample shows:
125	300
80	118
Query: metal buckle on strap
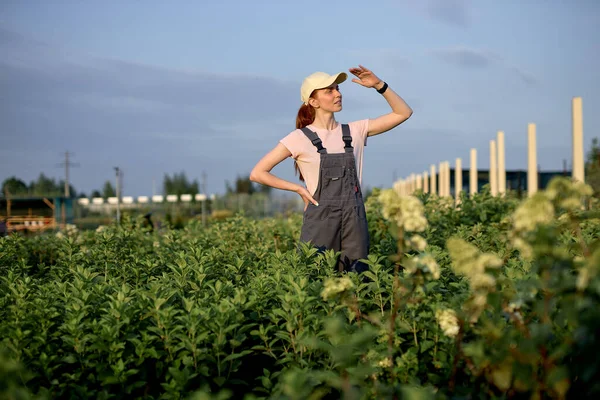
316	141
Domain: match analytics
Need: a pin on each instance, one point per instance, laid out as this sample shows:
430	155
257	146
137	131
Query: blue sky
160	87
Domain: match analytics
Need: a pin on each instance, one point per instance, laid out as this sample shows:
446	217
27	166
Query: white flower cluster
69	230
335	286
468	261
514	309
448	322
424	262
416	242
541	209
568	193
583	278
385	363
534	211
406	211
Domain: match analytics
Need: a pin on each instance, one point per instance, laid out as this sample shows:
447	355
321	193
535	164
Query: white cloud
465	57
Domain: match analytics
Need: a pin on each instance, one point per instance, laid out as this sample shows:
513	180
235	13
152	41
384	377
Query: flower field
496	298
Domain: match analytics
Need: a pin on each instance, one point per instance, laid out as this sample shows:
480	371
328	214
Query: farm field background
495	298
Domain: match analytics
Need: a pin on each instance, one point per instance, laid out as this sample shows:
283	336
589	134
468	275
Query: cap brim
341	77
337	78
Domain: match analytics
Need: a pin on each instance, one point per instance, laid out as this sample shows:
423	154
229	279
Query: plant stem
415	333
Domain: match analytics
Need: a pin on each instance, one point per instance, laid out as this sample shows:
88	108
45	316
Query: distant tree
61	189
244	185
14	186
179	184
266	189
592	167
96	193
108	190
44	186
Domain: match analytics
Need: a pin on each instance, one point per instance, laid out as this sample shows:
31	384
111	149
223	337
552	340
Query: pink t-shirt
307	157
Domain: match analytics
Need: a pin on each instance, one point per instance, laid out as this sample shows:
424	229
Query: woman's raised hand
365	76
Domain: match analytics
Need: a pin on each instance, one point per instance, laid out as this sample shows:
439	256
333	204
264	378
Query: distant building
516	180
36	213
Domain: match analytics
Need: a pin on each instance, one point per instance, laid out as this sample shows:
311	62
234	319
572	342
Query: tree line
177	184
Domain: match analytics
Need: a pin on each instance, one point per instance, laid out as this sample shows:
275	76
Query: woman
328	156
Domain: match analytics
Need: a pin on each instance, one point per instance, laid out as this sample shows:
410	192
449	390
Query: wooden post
446	166
578	172
425	182
493	170
432	182
447	173
441	178
501	164
458	180
473	173
418	182
532	174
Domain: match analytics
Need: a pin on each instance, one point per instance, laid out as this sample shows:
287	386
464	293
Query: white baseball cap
319	80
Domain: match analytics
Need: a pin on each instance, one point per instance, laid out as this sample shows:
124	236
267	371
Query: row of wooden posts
439	183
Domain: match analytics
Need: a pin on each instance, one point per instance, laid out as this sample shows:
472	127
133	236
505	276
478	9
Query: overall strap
347	138
314	138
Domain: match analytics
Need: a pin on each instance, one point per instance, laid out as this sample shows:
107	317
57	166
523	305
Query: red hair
306	116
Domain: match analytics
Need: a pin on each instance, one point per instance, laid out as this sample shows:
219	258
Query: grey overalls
339	222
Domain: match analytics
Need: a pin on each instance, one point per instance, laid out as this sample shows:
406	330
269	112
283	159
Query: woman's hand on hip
306	197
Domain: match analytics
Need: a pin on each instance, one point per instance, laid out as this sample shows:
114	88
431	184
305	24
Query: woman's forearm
397	103
268	179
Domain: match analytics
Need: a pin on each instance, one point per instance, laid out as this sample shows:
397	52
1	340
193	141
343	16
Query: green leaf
428	344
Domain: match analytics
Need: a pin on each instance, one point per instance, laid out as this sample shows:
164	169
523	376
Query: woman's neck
325	121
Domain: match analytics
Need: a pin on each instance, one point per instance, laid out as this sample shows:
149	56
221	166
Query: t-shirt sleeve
361	129
291	142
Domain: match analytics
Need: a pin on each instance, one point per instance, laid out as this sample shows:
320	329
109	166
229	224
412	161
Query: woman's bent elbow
254	176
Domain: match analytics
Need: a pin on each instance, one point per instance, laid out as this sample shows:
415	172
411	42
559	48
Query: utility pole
67	164
205	198
118	188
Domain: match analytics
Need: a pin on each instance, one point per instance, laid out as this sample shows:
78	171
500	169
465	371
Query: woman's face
328	99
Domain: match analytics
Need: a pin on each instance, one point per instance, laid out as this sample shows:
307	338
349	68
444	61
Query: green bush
495	298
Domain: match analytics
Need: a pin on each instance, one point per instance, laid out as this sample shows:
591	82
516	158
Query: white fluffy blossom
423	262
534	211
334	286
448	322
385	363
406	211
69	230
432	266
583	278
467	260
417	242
